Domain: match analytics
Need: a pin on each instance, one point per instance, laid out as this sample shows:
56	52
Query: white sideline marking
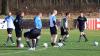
22	51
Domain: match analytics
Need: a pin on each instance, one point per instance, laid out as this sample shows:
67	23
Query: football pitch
71	48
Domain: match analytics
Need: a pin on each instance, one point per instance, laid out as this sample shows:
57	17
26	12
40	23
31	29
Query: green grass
72	47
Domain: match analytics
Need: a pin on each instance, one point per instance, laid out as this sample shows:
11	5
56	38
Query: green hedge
28	23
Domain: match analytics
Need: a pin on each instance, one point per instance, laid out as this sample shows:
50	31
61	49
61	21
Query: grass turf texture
72	47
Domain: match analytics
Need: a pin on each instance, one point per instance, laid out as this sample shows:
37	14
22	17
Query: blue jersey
9	20
52	20
37	22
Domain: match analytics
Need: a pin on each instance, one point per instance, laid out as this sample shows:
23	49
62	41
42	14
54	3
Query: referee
81	20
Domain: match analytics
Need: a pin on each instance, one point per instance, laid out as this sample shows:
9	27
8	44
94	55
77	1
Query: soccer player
10	26
64	28
53	28
34	34
81	20
18	27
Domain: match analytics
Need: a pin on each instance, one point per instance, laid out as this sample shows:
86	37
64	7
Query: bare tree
5	7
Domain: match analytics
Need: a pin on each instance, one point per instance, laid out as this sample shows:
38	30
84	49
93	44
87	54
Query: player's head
82	14
20	13
39	14
67	14
9	13
54	12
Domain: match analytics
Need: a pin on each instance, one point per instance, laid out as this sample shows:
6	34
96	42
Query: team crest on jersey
16	20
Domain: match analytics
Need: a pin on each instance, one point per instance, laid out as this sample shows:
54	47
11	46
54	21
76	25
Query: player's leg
80	29
37	40
60	39
28	42
26	35
18	35
55	38
9	30
62	34
34	43
38	36
18	41
52	40
66	35
84	35
52	36
10	35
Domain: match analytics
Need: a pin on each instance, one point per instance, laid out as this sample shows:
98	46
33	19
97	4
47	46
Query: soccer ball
21	45
60	44
45	45
96	43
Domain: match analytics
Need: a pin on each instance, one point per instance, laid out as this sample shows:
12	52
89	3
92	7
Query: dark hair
67	13
19	13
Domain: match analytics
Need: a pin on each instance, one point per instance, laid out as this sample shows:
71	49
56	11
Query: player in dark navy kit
34	34
81	20
18	27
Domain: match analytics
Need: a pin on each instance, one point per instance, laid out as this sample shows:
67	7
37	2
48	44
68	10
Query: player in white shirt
10	26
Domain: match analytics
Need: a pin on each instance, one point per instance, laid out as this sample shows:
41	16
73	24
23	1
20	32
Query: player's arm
4	20
22	21
86	22
77	24
54	22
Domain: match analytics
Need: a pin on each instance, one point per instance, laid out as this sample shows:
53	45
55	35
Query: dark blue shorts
9	30
81	29
64	31
53	30
31	34
18	32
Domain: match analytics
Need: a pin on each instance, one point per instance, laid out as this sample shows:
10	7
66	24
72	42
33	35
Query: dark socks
18	43
11	40
64	39
33	43
60	40
53	44
80	38
85	37
28	43
37	40
7	40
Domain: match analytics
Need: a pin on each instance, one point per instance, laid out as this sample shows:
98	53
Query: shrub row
28	23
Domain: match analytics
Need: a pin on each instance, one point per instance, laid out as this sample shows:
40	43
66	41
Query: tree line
31	6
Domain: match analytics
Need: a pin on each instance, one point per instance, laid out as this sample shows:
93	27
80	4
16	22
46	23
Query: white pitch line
22	51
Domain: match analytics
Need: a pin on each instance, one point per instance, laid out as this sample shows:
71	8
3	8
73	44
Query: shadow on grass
12	49
83	49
